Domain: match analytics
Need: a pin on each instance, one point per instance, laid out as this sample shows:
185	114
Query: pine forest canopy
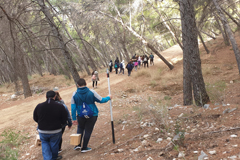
74	36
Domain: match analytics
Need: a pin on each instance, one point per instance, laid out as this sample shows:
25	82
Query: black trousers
116	69
129	72
93	83
85	128
145	63
60	143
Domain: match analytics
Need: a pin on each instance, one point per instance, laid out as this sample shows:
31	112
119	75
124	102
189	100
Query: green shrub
10	143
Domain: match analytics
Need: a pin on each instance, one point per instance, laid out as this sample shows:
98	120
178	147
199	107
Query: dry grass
206	70
6	88
142	73
174	76
47	82
50	81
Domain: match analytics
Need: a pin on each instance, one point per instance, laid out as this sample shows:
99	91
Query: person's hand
75	122
110	96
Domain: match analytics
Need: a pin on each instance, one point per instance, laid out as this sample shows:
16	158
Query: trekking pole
113	137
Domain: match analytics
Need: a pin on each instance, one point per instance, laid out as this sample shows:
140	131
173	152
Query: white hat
55	89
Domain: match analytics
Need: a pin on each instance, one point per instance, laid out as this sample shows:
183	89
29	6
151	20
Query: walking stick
113	137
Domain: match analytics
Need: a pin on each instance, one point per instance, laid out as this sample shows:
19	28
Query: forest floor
148	112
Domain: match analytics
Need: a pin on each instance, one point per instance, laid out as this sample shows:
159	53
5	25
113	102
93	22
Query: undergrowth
11	140
216	91
142	73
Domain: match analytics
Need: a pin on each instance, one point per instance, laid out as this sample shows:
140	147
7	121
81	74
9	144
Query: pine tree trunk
44	45
225	37
205	47
23	74
13	74
209	35
79	52
168	27
237	23
230	34
132	31
192	74
61	43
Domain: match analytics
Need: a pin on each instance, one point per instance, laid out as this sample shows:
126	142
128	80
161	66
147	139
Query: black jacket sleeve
35	116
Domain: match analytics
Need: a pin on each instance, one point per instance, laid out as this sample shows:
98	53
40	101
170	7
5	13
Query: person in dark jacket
110	65
85	125
151	59
116	65
50	117
145	60
116	60
129	68
68	122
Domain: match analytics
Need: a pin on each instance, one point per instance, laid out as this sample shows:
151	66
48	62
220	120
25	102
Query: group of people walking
135	63
52	116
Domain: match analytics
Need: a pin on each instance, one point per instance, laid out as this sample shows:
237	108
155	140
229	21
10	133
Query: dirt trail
21	112
18	114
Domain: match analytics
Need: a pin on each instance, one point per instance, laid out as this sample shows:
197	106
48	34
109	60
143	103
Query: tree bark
192	73
230	34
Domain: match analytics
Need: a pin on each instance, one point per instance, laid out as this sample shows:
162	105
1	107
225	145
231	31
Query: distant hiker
50	117
68	122
122	66
142	57
151	59
116	66
116	60
135	65
139	61
85	125
55	89
95	78
134	57
110	65
145	60
129	68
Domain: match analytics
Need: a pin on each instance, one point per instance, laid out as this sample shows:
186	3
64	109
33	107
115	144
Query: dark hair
58	97
50	94
81	82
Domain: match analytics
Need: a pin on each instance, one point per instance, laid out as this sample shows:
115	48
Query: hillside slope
147	106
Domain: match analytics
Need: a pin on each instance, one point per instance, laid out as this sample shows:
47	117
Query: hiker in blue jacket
151	59
122	66
85	125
